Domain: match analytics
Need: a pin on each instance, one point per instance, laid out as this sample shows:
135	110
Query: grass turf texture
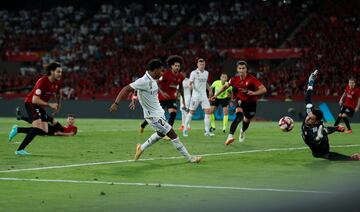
238	179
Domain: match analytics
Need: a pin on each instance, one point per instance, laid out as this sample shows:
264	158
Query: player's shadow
148	166
318	164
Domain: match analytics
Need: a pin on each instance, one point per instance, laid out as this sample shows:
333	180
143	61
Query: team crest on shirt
37	91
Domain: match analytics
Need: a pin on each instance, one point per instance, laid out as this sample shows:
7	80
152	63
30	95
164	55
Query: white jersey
186	86
187	92
199	80
147	92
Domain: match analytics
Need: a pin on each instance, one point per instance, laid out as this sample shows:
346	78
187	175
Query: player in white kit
187	97
198	85
147	92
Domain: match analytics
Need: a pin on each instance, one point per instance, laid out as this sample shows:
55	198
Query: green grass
101	140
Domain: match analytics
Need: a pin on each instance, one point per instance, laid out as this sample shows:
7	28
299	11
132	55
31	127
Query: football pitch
94	170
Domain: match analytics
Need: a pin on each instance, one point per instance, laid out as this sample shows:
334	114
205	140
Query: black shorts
222	102
348	111
249	108
36	112
167	104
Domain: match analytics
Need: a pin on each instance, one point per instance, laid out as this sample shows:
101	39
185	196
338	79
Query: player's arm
309	91
209	89
358	105
122	95
134	98
341	101
59	133
58	101
260	91
223	88
229	92
162	92
37	101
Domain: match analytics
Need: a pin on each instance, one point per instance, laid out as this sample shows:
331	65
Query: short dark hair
318	113
155	64
71	115
241	62
52	67
171	60
352	79
200	59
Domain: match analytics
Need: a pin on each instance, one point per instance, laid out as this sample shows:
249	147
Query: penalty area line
170	185
164	158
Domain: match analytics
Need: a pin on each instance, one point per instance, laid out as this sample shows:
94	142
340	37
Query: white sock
183	117
150	141
181	148
188	119
207	122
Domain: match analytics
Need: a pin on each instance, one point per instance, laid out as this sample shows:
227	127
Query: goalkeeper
313	131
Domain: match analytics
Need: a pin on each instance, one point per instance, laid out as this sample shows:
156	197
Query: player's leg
238	118
172	109
214	104
179	146
193	105
340	116
323	149
163	128
346	118
347	124
338	119
156	123
39	127
143	125
205	105
183	117
172	115
225	108
249	113
184	111
19	116
212	118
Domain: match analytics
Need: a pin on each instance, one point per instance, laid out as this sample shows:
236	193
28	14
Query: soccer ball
286	124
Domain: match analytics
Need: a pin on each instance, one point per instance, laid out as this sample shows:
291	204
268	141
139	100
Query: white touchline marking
169	185
165	158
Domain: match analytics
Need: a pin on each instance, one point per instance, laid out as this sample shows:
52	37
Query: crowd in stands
106	48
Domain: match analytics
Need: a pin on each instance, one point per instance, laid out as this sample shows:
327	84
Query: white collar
148	75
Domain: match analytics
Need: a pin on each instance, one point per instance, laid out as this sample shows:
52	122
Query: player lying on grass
313	131
154	114
55	128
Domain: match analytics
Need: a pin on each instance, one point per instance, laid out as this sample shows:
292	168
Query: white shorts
159	124
194	103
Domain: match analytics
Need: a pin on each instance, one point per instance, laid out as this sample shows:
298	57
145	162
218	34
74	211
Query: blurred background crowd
105	46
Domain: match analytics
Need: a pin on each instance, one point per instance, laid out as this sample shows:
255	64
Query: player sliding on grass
54	127
313	131
154	114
